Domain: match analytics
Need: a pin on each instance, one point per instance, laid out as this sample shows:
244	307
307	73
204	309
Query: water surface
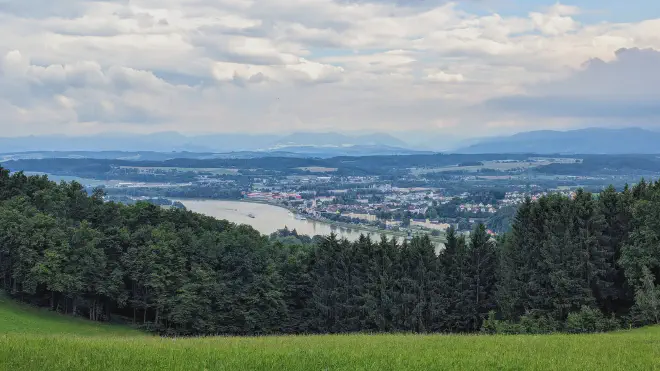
268	218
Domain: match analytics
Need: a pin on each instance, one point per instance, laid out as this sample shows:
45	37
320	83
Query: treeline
205	191
598	254
594	165
568	265
392	165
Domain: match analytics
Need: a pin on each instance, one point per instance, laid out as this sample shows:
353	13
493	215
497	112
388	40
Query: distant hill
336	139
296	143
288	152
110	155
156	142
346	150
582	141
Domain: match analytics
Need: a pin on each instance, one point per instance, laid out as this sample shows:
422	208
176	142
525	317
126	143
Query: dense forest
393	166
590	263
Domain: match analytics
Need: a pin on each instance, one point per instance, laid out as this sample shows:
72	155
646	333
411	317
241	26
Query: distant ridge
299	143
338	140
581	141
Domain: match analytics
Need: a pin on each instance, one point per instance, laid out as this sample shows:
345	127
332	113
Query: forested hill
583	141
587	264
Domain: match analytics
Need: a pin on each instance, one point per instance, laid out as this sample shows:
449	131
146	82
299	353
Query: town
404	195
386	207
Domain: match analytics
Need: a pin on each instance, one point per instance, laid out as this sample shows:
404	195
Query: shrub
492	325
589	320
535	324
528	324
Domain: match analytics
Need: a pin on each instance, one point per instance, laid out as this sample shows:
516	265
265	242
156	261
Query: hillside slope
18	319
38	340
583	141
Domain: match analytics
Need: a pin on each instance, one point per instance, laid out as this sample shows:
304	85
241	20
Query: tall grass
34	340
17	318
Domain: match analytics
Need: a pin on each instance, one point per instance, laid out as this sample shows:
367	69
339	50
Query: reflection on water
267	218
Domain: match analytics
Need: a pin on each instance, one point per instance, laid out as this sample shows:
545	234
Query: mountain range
581	141
303	144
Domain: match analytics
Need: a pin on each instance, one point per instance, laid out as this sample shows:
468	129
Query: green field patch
491	165
32	339
498	165
212	170
318	169
17	319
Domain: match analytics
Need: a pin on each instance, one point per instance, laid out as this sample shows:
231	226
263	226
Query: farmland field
498	165
33	339
494	165
318	169
212	170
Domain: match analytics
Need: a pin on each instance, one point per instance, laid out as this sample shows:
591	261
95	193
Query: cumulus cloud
442	76
271	65
626	88
557	20
85	90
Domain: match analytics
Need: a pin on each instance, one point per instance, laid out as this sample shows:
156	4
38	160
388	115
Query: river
267	218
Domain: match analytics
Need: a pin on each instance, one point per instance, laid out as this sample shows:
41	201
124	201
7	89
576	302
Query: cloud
303	71
42	8
627	88
634	73
556	20
279	65
403	3
85	90
442	76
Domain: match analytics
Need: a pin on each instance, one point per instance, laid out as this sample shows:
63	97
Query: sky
463	68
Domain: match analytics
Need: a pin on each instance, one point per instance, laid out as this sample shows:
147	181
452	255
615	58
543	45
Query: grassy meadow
32	339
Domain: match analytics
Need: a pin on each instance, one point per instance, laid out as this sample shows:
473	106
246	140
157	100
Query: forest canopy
590	263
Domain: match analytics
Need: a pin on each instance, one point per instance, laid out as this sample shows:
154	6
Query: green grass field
493	165
32	339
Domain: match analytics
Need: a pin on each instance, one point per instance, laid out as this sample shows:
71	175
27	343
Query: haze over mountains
308	144
583	141
170	141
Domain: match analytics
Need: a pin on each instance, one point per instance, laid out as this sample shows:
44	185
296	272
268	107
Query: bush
492	325
533	324
528	324
589	320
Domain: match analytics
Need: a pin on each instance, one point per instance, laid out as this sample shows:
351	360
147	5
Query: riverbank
374	230
359	228
267	218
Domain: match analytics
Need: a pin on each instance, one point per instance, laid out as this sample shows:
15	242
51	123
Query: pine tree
331	292
616	210
510	292
479	298
647	300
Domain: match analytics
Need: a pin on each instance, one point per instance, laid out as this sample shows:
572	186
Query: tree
479	297
453	262
616	210
647	300
581	264
85	267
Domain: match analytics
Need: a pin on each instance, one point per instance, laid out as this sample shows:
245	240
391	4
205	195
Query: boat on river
251	215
